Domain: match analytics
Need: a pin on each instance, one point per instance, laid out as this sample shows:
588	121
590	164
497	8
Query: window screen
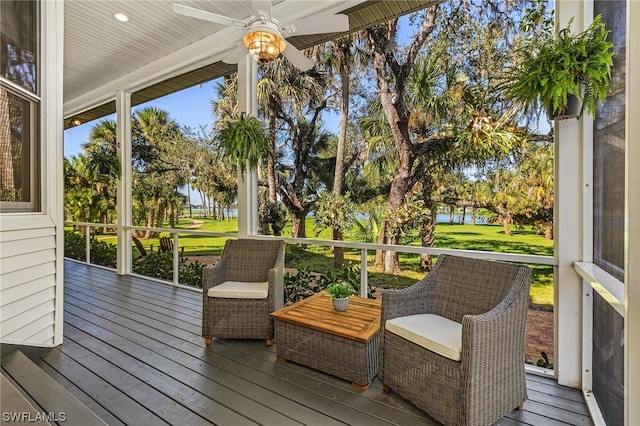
608	150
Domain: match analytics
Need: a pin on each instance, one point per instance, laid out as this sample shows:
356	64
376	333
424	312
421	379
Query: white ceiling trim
196	55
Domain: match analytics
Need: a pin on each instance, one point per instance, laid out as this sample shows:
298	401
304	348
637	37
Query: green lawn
486	237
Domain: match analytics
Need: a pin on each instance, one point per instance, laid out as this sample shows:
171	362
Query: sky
189	107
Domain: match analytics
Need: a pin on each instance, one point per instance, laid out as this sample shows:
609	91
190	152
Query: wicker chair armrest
493	340
276	282
214	275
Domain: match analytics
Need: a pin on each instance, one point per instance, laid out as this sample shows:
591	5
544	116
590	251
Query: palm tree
298	185
295	100
341	59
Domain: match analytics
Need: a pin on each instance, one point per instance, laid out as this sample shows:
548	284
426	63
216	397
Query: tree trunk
428	235
172	220
271	159
159	217
148	234
452	215
386	70
204	204
338	252
397	116
382	239
341	49
391	263
548	232
474	213
505	224
428	228
298	224
464	213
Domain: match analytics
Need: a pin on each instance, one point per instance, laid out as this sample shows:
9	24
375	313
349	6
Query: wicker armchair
453	343
242	289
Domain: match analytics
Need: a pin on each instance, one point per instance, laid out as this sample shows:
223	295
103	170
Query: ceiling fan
264	36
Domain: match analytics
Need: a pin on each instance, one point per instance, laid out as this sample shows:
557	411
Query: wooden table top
361	321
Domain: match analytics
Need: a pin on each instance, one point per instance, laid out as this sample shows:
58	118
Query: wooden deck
133	354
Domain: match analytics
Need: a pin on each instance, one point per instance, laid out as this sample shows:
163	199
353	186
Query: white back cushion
433	332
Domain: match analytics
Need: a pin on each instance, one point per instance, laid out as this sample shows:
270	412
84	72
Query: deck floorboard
133	353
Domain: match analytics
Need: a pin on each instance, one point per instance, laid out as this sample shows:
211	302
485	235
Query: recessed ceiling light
121	17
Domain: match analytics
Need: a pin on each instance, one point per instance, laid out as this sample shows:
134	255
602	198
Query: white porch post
632	243
123	123
248	184
52	39
570	135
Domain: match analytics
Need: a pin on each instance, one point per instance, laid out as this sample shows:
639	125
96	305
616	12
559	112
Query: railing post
176	260
87	244
364	273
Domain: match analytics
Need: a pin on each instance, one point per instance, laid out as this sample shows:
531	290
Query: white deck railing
363	247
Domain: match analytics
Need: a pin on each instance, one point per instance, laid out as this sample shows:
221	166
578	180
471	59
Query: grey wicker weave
248	261
490	300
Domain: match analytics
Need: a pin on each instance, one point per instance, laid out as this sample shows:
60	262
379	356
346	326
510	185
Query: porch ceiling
158	52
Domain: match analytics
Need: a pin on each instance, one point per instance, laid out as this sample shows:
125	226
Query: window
19	106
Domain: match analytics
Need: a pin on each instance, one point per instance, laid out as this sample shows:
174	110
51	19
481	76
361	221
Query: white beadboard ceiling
158	52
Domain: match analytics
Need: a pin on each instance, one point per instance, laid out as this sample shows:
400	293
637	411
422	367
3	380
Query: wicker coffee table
343	344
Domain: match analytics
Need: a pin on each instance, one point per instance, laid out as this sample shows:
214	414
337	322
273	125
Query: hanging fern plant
243	141
572	65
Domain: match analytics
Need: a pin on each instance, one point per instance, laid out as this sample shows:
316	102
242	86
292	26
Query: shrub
307	283
102	253
74	246
160	265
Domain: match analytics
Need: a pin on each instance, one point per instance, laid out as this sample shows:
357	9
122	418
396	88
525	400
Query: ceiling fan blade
203	14
264	5
322	24
236	55
297	58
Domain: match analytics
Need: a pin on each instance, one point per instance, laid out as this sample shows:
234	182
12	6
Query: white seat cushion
433	332
240	290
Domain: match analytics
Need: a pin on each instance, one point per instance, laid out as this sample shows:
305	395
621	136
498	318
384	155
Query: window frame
34	100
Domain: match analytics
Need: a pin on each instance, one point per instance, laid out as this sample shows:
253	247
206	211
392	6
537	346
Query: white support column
248	184
123	123
570	136
632	243
52	41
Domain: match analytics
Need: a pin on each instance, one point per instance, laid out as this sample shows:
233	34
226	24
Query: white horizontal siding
28	286
29	302
22	276
27	260
14	293
27	245
22	329
26	324
25	234
44	337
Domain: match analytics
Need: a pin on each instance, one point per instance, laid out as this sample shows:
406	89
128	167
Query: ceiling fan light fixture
264	46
